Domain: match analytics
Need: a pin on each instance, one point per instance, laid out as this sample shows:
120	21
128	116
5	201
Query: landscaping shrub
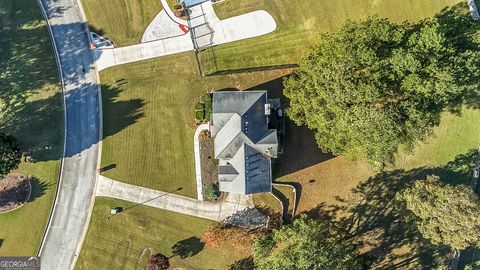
211	191
200	115
207	99
158	262
199	107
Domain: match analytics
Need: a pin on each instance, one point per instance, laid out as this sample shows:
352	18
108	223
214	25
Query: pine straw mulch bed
15	190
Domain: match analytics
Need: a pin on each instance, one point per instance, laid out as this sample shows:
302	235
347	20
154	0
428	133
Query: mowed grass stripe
128	239
155	149
159	142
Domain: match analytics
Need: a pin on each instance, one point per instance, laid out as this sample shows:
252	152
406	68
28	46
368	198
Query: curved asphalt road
69	220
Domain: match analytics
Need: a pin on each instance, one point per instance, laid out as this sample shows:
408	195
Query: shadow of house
371	217
188	247
297	138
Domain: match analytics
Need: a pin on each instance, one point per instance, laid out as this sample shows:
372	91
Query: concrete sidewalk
112	57
161	27
168	201
207	29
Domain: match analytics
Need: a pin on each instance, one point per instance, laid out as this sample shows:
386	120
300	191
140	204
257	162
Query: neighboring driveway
207	30
68	222
169	201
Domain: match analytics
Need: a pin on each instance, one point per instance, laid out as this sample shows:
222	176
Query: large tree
10	154
445	214
375	85
304	244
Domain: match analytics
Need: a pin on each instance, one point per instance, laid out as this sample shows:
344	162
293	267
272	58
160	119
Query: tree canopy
444	214
10	154
376	85
304	244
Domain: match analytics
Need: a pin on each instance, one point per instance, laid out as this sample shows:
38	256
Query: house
243	142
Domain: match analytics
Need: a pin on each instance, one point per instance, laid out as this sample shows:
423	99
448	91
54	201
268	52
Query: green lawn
121	21
155	149
285	194
299	24
267	201
31	110
127	240
361	200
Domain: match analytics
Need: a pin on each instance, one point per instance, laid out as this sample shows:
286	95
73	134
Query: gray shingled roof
243	141
253	172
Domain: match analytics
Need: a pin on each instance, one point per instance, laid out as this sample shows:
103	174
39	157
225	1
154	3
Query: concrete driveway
207	30
69	219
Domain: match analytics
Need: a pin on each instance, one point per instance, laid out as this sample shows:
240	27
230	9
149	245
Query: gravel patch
249	218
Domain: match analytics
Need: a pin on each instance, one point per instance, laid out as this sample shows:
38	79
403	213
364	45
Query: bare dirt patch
15	190
208	163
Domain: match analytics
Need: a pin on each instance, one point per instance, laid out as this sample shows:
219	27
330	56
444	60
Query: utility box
115	210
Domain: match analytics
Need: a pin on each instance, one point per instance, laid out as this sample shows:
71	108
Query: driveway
75	191
206	29
170	201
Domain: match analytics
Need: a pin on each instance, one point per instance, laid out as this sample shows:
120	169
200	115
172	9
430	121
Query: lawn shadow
108	167
287	215
36	124
296	138
243	264
39	188
121	113
24	51
97	30
275	218
371	218
31	104
187	247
